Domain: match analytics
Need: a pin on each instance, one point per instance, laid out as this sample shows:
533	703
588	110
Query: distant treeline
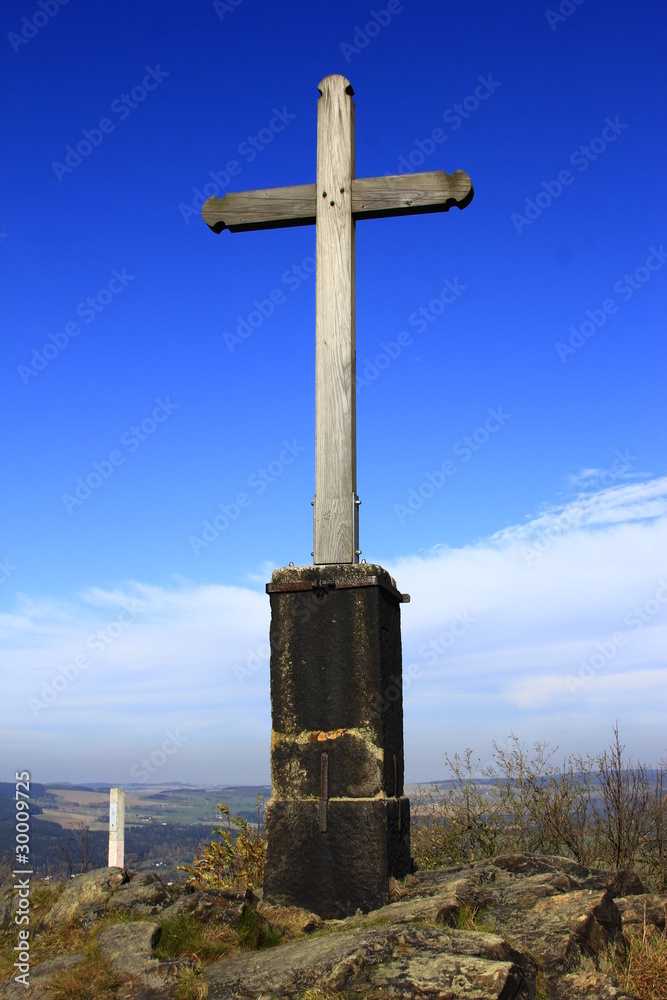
51	844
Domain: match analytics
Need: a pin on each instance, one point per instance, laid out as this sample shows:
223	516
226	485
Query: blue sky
511	362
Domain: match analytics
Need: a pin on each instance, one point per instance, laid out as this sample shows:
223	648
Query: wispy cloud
617	504
546	595
558	646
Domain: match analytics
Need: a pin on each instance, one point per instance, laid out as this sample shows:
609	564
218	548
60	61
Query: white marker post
116	828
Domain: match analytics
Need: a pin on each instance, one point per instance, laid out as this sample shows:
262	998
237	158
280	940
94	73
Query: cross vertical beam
334	203
335	507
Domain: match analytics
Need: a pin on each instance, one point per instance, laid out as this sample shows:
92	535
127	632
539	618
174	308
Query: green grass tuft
254	932
185	936
471	918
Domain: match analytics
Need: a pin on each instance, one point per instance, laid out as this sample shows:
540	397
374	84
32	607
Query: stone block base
344	868
338	823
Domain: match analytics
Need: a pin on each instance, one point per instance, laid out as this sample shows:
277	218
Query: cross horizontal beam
372	198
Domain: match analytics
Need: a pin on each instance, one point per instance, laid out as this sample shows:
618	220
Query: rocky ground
513	928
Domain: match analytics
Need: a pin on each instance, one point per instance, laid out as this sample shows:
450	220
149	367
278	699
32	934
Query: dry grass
472	918
396	890
292	920
184	936
321	993
92	979
191	986
644	972
42	899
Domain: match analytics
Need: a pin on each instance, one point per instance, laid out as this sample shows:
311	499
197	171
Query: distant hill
8	801
165	824
8	790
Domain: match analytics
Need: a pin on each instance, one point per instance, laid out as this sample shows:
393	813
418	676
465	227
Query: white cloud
493	633
545	596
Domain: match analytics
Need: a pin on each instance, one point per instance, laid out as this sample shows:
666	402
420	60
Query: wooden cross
334	203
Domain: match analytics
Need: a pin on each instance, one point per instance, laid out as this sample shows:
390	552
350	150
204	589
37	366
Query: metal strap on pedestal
344	583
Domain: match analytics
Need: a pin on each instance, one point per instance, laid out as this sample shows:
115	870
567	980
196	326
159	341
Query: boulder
647	909
142	895
39	979
510	928
587	986
85	897
129	948
404	961
106	890
206	905
550	912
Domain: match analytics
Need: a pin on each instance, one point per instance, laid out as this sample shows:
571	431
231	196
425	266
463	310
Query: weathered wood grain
335	348
270	208
410	194
372	198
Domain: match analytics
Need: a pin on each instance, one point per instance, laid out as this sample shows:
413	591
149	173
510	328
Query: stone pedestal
337	824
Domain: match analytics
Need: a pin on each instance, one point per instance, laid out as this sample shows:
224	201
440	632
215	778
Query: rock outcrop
552	930
643	910
129	948
394	960
518	927
85	898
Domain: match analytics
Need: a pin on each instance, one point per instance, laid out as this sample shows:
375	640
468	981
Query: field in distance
71	805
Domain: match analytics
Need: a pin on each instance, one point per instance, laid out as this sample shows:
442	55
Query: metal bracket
324	791
346	583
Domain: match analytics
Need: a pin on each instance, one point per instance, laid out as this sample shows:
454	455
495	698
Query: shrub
236	861
604	811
